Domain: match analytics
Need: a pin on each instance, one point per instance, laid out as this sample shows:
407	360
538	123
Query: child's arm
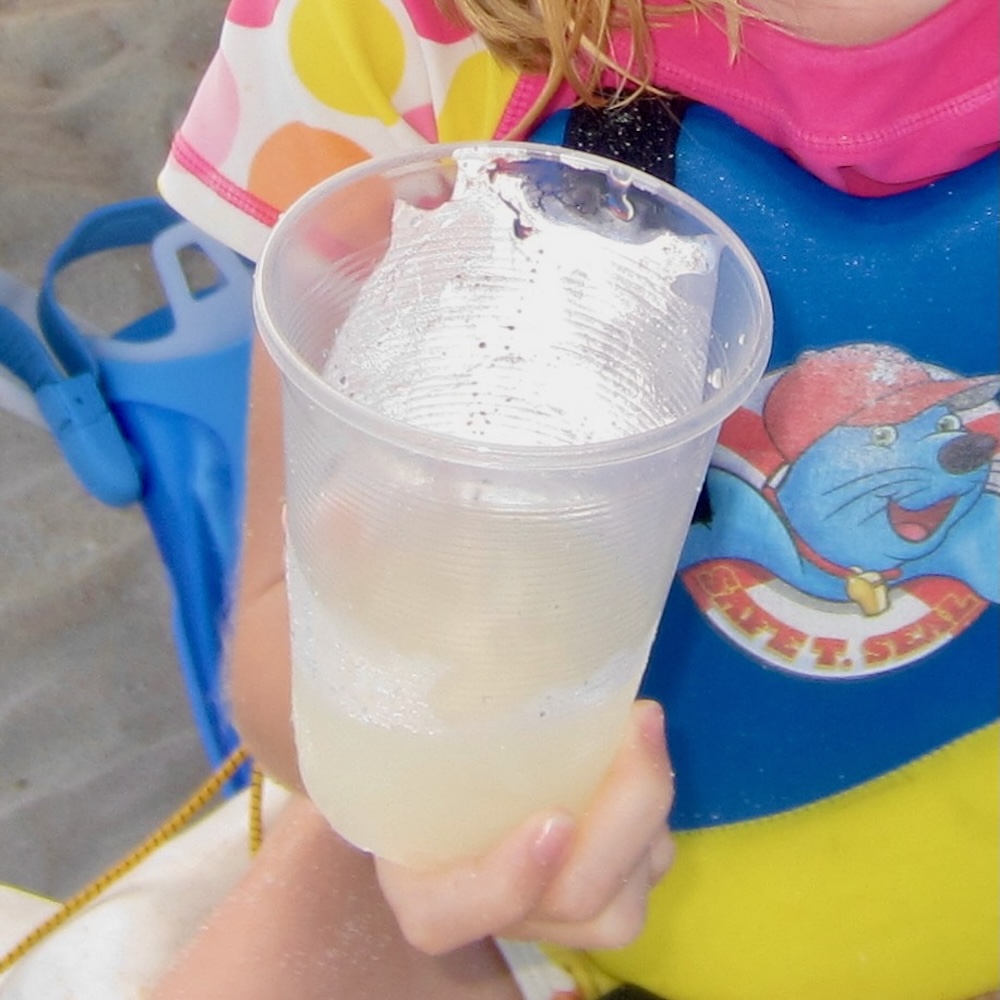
258	652
582	885
307	921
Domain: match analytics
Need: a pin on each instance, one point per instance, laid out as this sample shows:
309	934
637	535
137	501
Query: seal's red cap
859	385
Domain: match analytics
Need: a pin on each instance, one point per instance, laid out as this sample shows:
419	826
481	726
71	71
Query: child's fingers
439	911
617	836
583	885
619	923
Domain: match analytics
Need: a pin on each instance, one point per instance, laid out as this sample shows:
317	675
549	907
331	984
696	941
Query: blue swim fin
155	413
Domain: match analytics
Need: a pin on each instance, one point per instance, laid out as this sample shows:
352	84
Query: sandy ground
96	742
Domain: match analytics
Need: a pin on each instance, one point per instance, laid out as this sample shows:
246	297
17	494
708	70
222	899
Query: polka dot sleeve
300	89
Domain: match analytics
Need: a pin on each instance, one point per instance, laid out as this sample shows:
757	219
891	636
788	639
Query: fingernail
552	842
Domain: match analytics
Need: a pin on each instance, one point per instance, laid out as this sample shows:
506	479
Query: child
823	849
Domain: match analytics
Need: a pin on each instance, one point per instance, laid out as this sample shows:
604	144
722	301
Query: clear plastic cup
504	369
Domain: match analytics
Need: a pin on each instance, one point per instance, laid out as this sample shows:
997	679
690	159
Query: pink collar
868	119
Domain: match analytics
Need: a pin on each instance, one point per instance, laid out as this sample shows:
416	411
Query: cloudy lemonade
434	706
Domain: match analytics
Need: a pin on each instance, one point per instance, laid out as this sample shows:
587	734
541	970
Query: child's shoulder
300	90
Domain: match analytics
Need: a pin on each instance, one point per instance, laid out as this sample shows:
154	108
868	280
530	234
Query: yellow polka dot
477	95
297	157
348	55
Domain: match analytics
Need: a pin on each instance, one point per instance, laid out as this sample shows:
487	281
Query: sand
96	740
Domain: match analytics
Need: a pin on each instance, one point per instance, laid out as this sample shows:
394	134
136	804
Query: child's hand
581	884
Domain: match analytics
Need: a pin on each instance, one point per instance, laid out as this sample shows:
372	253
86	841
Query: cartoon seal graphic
857	484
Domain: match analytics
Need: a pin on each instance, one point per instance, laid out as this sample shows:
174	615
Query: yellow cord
256	809
172	826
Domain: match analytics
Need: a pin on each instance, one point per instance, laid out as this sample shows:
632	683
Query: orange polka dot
296	158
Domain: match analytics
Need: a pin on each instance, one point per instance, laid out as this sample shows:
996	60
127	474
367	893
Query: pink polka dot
211	124
423	122
431	24
251	13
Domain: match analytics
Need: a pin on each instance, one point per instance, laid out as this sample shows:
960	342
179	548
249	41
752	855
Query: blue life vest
828	653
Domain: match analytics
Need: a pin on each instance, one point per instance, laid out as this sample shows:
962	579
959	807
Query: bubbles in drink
451	683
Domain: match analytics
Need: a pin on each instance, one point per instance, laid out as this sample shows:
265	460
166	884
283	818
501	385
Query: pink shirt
868	119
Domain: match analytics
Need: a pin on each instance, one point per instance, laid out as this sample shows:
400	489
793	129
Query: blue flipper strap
75	411
155	413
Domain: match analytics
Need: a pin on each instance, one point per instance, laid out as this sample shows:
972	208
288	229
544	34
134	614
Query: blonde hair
571	40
